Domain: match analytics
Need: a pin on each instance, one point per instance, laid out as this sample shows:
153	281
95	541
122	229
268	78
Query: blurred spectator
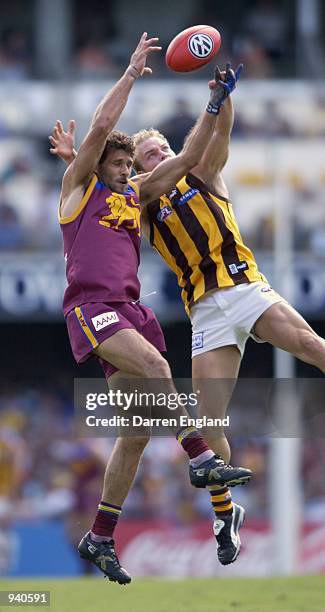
93	61
267	25
11	231
178	124
48	198
241	127
94	32
315	121
273	123
308	229
264	233
317	240
15	57
256	62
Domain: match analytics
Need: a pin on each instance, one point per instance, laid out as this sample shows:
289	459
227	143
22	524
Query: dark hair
118	140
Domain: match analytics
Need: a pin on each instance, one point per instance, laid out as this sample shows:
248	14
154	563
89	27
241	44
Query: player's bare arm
80	171
216	153
170	171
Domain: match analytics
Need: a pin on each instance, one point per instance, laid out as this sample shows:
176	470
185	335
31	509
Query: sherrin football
193	48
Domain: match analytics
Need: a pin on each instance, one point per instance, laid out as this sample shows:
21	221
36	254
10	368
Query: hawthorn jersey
102	247
196	233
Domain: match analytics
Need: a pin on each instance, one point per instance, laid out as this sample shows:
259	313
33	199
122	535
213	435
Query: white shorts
227	316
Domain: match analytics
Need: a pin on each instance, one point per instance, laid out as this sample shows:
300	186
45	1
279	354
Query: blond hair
140	137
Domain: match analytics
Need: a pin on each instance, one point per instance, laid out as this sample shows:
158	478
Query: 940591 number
25	598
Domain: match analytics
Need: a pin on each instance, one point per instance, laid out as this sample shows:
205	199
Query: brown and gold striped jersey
196	233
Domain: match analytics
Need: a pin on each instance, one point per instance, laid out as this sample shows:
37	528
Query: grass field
298	594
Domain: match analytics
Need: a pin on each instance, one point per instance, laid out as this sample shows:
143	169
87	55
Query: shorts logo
187	196
164	213
200	45
266	289
197	341
82	321
235	268
102	320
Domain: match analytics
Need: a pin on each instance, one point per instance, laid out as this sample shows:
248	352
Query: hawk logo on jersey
164	213
200	45
124	212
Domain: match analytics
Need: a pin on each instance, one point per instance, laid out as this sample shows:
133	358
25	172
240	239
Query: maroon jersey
102	247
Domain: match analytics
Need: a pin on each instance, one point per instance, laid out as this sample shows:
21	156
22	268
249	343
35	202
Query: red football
193	48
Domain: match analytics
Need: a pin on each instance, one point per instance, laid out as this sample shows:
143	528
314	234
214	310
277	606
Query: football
193	48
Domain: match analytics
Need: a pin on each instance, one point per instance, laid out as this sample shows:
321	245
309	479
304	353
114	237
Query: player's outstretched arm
108	113
170	171
216	153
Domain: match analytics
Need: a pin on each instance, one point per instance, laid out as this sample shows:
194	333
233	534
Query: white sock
205	456
99	538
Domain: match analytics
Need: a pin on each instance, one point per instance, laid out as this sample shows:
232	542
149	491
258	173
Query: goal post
286	447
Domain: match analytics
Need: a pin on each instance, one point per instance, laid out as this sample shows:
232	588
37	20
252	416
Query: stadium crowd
259	37
46	472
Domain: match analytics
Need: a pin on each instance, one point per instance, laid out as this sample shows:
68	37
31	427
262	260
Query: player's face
151	152
116	170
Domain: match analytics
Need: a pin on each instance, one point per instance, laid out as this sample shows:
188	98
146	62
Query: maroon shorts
90	324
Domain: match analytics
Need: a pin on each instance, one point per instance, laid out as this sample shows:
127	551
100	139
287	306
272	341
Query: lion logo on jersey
123	212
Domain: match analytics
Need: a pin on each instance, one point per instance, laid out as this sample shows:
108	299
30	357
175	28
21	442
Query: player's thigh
282	326
215	373
129	352
221	362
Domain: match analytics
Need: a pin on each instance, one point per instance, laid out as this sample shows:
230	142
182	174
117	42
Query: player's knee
157	366
310	343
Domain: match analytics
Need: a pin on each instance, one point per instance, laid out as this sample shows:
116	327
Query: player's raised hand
139	56
63	141
231	77
222	86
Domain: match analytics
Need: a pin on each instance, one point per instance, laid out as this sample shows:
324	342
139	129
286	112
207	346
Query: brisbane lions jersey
102	247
